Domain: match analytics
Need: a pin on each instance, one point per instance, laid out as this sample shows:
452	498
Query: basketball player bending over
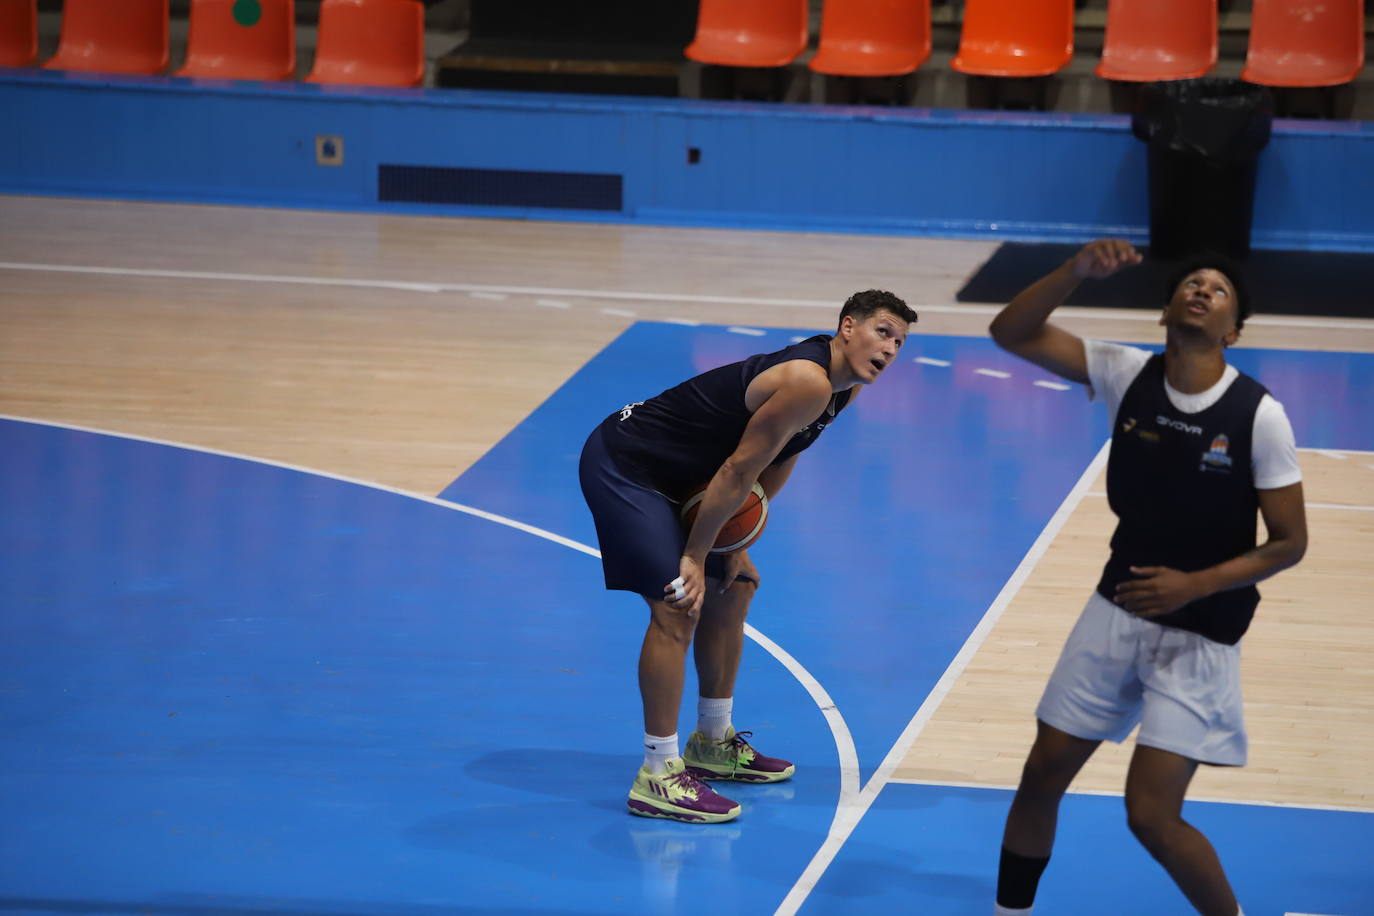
729	427
1196	448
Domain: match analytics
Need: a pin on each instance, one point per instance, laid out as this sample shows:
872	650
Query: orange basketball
742	529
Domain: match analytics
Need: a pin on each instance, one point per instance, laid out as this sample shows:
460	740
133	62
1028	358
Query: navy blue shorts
637	527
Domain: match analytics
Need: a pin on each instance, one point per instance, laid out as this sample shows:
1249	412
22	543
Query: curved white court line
849	815
839	729
853	803
1150	315
844	740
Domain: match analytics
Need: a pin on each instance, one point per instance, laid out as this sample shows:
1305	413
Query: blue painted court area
880	555
933	849
233	688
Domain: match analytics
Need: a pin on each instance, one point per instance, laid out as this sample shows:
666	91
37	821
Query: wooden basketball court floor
301	615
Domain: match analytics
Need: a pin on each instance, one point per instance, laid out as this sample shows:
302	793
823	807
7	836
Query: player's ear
846	326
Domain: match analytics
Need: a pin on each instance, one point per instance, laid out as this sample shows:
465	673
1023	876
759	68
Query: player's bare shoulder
802	379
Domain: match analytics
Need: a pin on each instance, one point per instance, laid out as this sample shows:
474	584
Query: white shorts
1117	670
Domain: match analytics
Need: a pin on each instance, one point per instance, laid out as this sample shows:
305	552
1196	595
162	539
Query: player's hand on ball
1103	258
1158	590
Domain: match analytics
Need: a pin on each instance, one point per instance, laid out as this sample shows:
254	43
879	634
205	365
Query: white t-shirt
1273	453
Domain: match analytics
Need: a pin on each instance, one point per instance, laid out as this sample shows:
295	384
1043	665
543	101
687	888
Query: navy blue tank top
677	440
1184	493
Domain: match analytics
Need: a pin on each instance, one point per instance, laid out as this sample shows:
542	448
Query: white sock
658	750
999	910
713	716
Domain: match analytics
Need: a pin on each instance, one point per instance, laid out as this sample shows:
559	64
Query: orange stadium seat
1150	40
225	42
1297	43
125	37
749	33
1015	38
18	32
370	43
873	37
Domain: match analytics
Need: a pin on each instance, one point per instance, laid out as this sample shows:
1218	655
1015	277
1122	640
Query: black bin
1205	136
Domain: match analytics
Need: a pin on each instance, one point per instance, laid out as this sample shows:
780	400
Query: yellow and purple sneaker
732	757
678	795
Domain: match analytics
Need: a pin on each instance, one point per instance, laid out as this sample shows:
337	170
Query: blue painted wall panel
1317	176
193	147
962	173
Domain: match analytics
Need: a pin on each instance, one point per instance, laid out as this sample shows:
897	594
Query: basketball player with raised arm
1197	448
729	428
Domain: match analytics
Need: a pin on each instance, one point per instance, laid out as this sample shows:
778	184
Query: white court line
1102	793
434	500
748	332
553	303
481	294
932	361
1347	507
839	729
1053	386
994	373
1146	315
245	278
619	313
849	815
687	322
1345	452
853	803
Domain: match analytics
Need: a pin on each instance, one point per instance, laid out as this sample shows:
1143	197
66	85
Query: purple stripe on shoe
768	764
649	809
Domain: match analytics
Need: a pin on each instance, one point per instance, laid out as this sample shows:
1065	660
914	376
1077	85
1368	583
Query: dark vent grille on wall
499	187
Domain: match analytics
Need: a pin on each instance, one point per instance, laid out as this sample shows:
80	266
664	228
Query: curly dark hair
871	301
1223	265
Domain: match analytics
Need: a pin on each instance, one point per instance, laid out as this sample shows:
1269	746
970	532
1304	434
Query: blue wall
919	171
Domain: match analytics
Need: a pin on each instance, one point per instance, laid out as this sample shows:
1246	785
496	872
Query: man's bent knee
729	606
1149	821
674	623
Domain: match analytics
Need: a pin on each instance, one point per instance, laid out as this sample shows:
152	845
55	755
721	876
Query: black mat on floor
1321	283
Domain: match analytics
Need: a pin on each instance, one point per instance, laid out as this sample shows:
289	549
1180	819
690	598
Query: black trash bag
1220	119
1205	136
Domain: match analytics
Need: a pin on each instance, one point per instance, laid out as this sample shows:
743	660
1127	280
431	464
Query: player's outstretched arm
1023	326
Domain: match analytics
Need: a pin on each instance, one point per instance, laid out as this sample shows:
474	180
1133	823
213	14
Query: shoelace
739	745
737	740
687	783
